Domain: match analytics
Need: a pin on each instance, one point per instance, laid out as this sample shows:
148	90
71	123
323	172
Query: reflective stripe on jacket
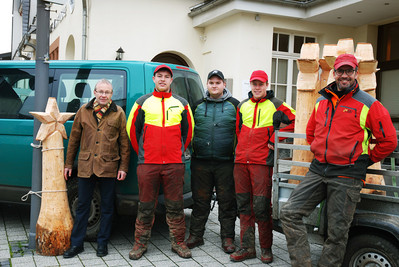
160	128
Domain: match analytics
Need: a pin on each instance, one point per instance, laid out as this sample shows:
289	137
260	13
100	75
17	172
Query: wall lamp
119	54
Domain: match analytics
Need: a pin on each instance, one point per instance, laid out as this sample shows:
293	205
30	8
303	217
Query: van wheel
371	250
93	225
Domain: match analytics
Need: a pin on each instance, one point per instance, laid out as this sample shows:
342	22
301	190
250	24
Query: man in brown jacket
99	129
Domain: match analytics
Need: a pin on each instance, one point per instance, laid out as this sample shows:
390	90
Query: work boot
194	241
137	251
228	245
266	255
181	249
243	254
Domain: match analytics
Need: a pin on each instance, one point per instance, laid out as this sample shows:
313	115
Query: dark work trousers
205	175
341	195
150	177
253	185
85	194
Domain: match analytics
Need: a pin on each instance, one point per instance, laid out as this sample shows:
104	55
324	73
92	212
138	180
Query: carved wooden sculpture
54	225
307	85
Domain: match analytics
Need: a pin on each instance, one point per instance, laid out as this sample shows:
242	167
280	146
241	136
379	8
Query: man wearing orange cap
160	128
339	131
253	169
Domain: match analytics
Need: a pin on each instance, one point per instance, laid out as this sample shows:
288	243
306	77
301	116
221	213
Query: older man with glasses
99	129
339	132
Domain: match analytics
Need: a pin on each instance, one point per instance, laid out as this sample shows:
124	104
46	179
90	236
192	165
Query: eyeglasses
341	72
103	92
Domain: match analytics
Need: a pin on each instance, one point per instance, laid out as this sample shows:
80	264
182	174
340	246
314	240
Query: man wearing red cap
160	128
339	131
256	118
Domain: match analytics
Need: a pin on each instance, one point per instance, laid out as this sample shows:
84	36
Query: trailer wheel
93	225
371	250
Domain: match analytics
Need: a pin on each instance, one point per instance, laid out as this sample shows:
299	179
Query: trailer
374	233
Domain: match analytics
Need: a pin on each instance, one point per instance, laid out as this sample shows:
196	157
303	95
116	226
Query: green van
72	84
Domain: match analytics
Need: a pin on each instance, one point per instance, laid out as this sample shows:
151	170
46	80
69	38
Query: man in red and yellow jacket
253	164
339	132
160	128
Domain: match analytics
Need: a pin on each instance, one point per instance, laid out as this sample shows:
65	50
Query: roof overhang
351	13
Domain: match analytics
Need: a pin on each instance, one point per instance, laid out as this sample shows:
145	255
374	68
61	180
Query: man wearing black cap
339	132
212	163
160	128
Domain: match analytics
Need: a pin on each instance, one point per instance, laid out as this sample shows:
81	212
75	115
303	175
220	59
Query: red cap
345	59
259	75
165	67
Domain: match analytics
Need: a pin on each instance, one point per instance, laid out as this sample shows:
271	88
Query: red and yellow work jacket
254	128
340	129
160	128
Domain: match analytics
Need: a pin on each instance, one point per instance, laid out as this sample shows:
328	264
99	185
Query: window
187	85
286	50
75	87
16	89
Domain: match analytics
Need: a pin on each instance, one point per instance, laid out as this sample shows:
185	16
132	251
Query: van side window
187	85
16	86
75	87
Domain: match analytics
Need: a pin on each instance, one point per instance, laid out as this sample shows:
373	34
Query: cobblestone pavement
14	229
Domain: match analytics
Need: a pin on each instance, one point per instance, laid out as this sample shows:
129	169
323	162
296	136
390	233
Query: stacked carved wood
54	225
314	74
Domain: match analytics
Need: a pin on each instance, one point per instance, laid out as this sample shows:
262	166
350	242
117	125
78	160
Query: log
368	82
54	225
307	86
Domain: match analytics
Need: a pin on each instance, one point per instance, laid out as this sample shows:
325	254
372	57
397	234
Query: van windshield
187	85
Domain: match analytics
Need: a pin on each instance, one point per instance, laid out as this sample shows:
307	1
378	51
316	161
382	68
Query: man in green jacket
212	163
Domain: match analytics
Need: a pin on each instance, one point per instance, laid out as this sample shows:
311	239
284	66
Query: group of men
233	145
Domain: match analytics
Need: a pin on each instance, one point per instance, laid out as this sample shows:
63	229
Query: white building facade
235	36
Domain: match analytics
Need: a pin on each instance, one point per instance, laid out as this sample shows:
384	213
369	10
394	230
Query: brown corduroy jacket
104	146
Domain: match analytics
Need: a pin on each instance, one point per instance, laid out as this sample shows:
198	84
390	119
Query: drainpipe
84	29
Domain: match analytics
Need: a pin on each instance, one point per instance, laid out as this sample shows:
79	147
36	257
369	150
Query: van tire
93	225
368	249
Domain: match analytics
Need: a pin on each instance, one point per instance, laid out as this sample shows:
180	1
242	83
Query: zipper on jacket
167	111
254	122
382	129
355	110
353	152
325	123
163	111
258	116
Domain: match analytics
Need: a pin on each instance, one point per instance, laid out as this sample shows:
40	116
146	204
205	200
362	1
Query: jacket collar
162	94
329	90
112	107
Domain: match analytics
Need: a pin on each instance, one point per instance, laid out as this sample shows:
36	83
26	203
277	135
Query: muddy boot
194	241
266	255
228	245
181	249
243	254
137	251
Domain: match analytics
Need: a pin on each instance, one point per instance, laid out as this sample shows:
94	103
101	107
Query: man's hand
271	146
121	175
67	173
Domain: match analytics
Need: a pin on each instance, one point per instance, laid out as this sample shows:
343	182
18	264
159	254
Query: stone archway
171	58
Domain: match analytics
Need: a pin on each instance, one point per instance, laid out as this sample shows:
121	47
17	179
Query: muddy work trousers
206	175
150	177
341	195
253	185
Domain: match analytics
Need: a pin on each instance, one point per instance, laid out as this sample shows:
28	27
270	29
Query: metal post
41	96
